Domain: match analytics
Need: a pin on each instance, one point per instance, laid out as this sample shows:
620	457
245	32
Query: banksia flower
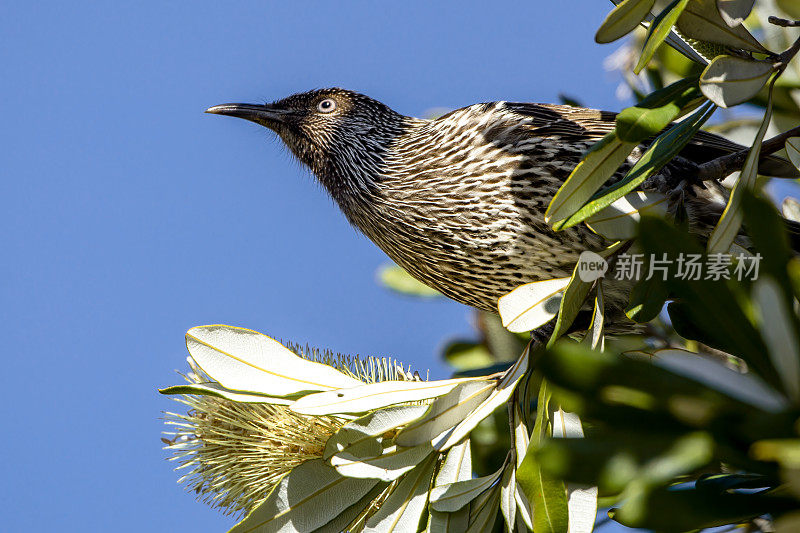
302	440
235	452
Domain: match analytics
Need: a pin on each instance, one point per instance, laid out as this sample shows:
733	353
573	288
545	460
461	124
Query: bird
459	200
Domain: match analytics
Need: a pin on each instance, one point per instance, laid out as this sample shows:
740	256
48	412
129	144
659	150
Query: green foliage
683	438
398	280
661	151
545	491
659	28
683	431
654	113
623	20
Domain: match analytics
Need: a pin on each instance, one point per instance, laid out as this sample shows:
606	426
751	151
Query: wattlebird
459	201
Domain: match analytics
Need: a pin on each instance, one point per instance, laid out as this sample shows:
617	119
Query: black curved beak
260	114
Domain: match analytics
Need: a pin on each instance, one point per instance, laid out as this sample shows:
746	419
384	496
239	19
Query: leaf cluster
680	430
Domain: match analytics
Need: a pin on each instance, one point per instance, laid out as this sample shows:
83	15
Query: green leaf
690	48
310	496
732	333
619	221
734	12
610	458
794	275
789	521
684	509
702	20
594	337
397	279
677	393
370	427
372	396
581	500
784	451
659	28
599	164
746	388
498	397
454	496
773	291
731	220
483	511
245	360
388	466
454	522
521	442
467	355
790	7
574	295
457	466
217	390
529	306
508	490
569	100
709	308
402	510
502	344
685	455
779	329
659	153
354	513
730	80
793	150
524	512
547	494
522	436
697	51
647	300
654	113
623	19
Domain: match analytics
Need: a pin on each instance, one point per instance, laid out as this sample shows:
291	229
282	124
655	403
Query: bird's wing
564	120
582	123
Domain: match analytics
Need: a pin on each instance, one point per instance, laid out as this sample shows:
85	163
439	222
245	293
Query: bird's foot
674	178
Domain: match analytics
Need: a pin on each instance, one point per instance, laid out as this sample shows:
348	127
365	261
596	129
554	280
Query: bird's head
336	132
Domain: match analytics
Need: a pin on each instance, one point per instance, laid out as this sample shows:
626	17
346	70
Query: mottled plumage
458	201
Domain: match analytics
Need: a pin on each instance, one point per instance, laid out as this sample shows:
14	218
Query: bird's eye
326	106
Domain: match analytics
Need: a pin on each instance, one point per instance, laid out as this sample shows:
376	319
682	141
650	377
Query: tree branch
719	168
783	22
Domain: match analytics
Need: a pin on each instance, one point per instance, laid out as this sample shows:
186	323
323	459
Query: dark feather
579	122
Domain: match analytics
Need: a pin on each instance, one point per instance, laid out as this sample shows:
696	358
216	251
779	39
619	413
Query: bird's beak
260	114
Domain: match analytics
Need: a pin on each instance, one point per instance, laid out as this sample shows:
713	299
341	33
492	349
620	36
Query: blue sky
131	216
